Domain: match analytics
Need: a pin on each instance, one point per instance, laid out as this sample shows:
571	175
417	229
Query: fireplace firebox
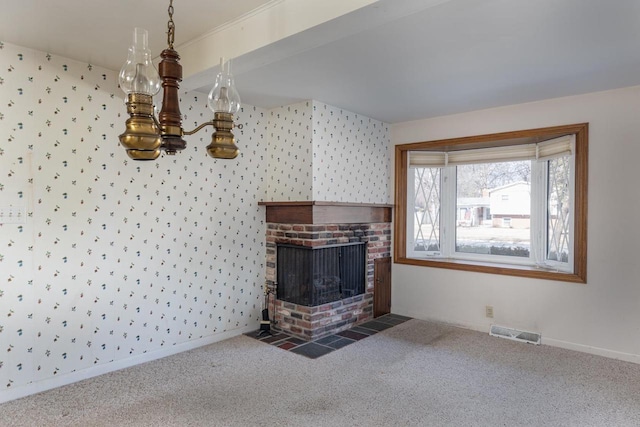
315	276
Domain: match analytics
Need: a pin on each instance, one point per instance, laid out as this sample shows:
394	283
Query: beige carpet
415	374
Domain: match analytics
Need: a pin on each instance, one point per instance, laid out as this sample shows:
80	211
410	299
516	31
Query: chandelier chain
170	26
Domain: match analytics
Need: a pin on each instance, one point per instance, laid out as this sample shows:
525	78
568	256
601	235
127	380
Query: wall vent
514	334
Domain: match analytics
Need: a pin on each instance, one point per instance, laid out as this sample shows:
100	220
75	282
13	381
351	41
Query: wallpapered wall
320	152
117	259
351	161
290	153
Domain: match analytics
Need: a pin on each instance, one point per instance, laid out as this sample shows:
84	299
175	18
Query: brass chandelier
145	136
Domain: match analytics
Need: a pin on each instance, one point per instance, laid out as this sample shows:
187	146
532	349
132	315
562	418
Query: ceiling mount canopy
145	136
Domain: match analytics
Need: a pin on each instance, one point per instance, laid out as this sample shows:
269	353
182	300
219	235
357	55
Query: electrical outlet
488	310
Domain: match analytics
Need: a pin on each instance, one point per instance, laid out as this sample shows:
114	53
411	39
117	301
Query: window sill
493	268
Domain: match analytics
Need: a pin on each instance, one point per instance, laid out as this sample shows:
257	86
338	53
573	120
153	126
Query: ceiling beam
271	23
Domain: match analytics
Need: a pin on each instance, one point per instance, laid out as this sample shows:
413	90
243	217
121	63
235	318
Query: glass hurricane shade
138	74
224	97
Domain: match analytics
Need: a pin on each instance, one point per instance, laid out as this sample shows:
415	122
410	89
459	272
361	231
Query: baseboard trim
116	365
552	342
612	354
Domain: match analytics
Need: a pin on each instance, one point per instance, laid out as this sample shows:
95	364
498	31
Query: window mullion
448	216
572	198
411	191
539	201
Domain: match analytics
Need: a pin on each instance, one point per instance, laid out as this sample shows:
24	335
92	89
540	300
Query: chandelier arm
155	120
209	123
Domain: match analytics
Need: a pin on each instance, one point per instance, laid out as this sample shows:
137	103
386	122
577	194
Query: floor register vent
514	334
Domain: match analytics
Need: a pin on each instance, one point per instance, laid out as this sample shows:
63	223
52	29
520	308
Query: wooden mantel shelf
320	212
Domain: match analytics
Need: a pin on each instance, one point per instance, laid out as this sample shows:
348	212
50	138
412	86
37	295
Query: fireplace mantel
319	212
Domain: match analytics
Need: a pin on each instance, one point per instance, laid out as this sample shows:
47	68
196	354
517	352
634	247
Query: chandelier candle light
145	136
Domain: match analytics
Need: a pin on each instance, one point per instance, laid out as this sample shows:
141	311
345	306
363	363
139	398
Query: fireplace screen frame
312	276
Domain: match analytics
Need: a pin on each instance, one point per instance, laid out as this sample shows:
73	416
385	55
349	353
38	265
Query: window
512	203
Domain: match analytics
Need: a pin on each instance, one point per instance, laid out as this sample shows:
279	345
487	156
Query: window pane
426	202
556	232
493	208
558	215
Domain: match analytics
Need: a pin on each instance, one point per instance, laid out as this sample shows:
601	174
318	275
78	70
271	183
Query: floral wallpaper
116	258
320	152
351	162
290	153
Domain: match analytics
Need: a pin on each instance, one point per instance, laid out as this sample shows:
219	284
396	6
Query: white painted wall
602	316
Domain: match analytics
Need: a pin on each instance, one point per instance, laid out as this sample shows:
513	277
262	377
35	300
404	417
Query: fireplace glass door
316	276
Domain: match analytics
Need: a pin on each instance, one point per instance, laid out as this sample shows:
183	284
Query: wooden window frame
581	132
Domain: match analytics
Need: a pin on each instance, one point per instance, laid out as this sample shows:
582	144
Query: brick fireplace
318	225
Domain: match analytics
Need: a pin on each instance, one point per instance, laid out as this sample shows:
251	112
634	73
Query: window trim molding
581	131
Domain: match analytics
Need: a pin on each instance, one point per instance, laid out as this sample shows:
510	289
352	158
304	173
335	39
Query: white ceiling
393	60
100	31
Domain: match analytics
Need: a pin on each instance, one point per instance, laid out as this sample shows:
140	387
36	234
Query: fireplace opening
316	276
